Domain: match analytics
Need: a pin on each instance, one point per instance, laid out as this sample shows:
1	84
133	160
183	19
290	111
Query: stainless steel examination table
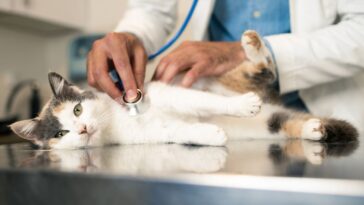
243	172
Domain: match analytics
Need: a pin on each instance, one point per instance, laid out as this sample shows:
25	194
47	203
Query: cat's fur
216	108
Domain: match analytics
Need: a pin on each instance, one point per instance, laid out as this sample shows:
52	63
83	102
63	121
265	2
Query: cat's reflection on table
311	151
245	157
133	159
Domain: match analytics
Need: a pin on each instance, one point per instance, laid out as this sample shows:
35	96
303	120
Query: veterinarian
318	47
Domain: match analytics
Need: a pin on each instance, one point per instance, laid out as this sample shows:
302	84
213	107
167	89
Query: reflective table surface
255	171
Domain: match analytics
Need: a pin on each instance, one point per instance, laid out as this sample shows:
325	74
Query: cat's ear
58	83
25	128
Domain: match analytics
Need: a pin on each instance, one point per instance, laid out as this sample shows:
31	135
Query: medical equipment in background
78	51
34	104
133	106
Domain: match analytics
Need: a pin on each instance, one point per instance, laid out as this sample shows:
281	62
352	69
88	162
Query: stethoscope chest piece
137	106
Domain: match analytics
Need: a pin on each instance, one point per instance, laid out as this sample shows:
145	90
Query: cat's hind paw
251	37
247	105
314	152
252	45
256	51
313	129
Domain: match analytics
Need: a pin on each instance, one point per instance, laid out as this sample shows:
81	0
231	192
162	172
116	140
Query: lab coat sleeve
324	55
150	20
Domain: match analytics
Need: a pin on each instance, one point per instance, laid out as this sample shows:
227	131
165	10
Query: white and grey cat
229	106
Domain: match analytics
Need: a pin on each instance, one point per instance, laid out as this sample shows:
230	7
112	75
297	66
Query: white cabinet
52	15
5	5
65	12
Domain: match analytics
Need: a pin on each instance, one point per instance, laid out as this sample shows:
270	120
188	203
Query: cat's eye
61	133
77	110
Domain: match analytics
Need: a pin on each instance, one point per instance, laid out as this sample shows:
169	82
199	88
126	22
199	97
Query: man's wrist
267	44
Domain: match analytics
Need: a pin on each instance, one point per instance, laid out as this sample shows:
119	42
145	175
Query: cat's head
71	118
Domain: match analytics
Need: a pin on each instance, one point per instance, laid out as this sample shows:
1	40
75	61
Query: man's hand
199	59
129	58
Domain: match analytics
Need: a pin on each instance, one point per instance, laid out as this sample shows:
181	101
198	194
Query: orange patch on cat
256	69
293	128
236	78
58	108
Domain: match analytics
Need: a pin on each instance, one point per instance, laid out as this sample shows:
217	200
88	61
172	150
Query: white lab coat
323	57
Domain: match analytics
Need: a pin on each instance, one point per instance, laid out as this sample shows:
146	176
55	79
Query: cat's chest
143	123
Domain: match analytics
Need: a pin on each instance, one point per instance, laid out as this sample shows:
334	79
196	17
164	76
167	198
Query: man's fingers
139	62
161	67
169	73
192	75
174	60
179	62
121	61
90	78
100	72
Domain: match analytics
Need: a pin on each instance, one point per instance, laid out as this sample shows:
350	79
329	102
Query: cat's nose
83	129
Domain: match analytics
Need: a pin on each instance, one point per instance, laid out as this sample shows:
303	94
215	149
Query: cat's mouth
88	136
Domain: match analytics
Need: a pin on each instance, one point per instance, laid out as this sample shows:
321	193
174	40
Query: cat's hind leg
262	66
257	73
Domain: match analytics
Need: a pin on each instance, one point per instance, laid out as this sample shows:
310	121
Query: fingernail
131	95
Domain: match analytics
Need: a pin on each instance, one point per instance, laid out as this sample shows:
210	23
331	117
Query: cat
241	103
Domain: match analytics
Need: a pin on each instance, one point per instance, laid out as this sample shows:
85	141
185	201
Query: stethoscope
135	107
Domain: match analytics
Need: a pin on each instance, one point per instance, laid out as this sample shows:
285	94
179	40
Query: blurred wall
22	56
26	54
29	54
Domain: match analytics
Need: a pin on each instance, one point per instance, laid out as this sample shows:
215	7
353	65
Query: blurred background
38	36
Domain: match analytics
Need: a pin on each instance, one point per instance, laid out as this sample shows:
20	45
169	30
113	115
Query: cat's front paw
313	129
247	105
209	134
218	136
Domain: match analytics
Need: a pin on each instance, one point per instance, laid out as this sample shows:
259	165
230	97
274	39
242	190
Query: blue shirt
230	18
